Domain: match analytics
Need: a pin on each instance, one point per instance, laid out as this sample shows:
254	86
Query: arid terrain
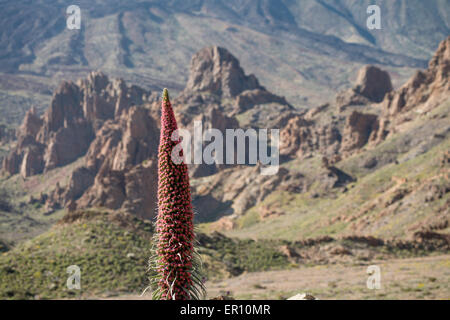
304	50
410	278
364	174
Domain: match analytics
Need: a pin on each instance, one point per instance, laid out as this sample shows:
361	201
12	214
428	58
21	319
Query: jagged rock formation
302	138
217	71
307	134
115	128
423	92
216	78
97	118
358	129
122	160
120	168
119	140
31	151
371	86
31	124
217	91
67	128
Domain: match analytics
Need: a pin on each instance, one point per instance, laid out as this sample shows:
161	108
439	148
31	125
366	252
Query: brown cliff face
371	86
216	79
67	128
302	138
120	167
423	92
217	71
358	129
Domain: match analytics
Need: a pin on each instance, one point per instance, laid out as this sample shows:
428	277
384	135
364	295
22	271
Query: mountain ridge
121	124
291	46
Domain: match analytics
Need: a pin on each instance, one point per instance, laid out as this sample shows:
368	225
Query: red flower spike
175	238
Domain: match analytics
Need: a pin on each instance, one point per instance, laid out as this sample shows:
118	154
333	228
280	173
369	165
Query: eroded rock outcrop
217	79
302	138
217	71
120	167
31	125
358	129
67	128
424	91
371	86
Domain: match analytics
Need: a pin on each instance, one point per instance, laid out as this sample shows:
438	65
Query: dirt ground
415	278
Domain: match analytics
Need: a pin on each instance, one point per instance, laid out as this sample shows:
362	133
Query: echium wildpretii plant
174	262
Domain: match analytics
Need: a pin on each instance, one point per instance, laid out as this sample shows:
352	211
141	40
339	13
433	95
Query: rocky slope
364	177
304	50
338	136
115	129
422	93
324	150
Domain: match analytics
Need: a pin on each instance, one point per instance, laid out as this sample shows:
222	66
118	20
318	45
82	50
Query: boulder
373	83
371	86
217	71
302	296
357	131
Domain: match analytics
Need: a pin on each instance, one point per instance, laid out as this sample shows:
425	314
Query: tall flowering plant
174	261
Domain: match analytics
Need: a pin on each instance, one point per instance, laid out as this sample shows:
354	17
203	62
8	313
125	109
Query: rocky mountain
114	128
306	51
68	126
363	178
394	151
337	135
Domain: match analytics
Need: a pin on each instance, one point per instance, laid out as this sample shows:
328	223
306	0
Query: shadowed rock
371	86
217	71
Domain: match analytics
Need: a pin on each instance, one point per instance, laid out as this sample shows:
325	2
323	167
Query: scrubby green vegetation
382	197
112	251
111	258
243	255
